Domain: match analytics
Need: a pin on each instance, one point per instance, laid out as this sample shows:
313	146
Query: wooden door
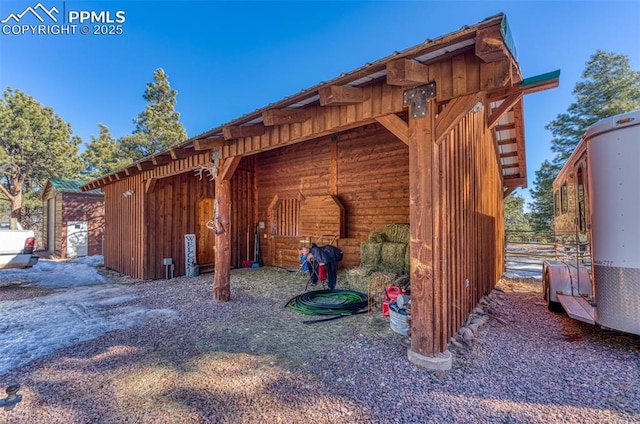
205	237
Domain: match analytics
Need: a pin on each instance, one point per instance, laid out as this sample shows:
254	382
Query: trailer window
564	199
556	202
582	216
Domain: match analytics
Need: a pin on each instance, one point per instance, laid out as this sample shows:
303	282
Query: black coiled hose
338	303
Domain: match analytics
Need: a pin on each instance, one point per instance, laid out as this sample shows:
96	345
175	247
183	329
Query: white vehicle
597	220
16	246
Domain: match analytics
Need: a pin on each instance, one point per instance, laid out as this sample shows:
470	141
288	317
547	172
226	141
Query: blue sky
226	59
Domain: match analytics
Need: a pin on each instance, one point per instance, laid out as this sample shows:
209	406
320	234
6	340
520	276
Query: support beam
527	86
337	95
396	126
150	185
222	274
231	132
511	126
508	190
490	45
505	106
510	165
509	154
455	110
208	143
407	73
285	116
426	317
507	141
228	167
514	182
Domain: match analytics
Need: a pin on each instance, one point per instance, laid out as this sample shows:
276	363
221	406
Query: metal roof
71	186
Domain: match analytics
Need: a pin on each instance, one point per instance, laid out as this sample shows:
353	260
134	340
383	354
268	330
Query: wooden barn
431	136
73	219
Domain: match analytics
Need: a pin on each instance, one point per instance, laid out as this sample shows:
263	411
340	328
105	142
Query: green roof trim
70	186
540	78
508	37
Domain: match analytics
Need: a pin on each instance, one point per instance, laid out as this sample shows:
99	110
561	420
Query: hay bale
407	261
393	256
398	233
378	282
377	237
358	278
370	254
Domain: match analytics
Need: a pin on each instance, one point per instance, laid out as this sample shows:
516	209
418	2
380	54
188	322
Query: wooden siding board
372	183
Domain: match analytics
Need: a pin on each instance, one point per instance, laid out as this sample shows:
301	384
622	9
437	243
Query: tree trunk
16	206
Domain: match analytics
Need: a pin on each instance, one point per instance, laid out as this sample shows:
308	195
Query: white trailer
597	219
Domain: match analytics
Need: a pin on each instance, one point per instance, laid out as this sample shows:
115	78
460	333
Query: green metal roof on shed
71	186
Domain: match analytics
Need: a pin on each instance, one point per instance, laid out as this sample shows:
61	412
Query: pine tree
158	127
515	220
102	155
35	144
542	196
609	86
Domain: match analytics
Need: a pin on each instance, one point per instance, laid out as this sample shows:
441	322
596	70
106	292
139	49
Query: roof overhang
489	40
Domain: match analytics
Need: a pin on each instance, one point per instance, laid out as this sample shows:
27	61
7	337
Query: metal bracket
417	98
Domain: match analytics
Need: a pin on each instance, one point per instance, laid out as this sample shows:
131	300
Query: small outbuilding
431	137
73	219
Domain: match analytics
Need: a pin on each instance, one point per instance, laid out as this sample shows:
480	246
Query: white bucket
398	322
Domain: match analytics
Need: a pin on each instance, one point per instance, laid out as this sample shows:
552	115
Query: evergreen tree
515	220
609	86
158	127
102	155
542	196
35	144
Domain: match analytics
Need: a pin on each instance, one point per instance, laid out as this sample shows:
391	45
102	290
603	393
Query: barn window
287	217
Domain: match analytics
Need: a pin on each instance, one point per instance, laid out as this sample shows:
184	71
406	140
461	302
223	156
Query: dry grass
251	360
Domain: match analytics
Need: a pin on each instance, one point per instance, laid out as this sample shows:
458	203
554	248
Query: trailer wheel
546	287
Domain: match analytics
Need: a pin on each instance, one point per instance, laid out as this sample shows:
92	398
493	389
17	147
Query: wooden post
222	274
421	221
426	317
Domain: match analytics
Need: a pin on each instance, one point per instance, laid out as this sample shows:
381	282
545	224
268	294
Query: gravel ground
252	361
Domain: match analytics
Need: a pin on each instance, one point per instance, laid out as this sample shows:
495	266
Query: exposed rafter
181	153
208	143
285	116
336	95
407	73
161	159
144	166
490	45
232	132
